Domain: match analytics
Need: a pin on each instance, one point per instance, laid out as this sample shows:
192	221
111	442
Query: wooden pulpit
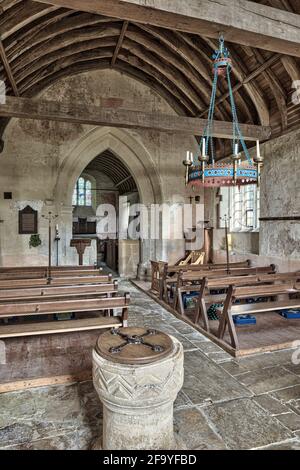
80	244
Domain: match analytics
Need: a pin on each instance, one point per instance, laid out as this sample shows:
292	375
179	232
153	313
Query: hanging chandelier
208	173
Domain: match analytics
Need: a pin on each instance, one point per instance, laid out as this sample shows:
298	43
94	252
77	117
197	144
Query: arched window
82	195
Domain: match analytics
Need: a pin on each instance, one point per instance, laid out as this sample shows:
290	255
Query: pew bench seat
261	307
235	294
64	326
113	310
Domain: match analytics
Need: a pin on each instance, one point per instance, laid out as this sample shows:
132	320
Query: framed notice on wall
28	221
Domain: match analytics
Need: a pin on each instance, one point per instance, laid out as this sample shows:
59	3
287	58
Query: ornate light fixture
208	173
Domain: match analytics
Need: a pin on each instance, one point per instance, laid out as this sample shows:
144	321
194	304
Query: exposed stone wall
280	197
277	242
37	153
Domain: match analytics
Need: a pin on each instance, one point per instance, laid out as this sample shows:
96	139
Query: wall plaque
28	221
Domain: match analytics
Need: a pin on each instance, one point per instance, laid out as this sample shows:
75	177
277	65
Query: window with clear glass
244	208
82	195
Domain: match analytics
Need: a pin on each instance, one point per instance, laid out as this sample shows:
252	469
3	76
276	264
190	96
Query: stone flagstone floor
252	403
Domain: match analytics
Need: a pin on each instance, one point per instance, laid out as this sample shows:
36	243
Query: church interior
149	225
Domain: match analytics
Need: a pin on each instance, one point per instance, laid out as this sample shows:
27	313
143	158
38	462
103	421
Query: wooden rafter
248	78
125	118
289	63
120	42
45	43
8	69
242	21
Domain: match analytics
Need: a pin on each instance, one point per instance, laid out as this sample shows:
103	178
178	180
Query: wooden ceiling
115	169
42	43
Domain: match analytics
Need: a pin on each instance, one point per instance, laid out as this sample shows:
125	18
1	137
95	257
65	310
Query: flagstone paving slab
268	379
243	424
225	403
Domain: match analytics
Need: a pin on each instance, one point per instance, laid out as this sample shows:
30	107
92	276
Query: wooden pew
160	270
65	292
56	281
205	298
38	274
16	269
193	278
169	277
241	293
51	307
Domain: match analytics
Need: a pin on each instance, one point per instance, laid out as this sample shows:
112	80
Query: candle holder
236	158
203	159
187	164
259	163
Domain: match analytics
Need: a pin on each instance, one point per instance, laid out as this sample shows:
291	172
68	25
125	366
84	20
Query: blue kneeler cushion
244	320
290	314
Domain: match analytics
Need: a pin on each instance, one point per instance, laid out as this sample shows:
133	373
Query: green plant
35	241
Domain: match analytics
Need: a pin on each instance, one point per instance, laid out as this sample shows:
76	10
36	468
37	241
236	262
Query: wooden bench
205	298
241	293
168	280
190	279
49	292
56	281
17	269
44	273
160	270
51	307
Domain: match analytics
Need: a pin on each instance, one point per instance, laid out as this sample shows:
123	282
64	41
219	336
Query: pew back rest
56	281
16	269
244	292
186	277
63	306
64	291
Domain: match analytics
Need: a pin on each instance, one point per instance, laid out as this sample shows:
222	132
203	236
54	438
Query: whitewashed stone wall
38	153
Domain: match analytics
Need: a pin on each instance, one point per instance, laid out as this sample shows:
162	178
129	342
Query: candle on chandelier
203	146
187	156
192	157
236	149
257	149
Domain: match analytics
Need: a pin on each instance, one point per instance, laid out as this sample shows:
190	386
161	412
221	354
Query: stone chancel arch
128	149
134	156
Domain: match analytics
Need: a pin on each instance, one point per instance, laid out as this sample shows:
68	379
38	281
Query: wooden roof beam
243	22
8	69
124	118
120	42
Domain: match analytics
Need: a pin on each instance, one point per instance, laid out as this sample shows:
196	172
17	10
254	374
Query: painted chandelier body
207	173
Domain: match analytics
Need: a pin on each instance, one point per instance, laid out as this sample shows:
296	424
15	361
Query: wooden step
65	326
